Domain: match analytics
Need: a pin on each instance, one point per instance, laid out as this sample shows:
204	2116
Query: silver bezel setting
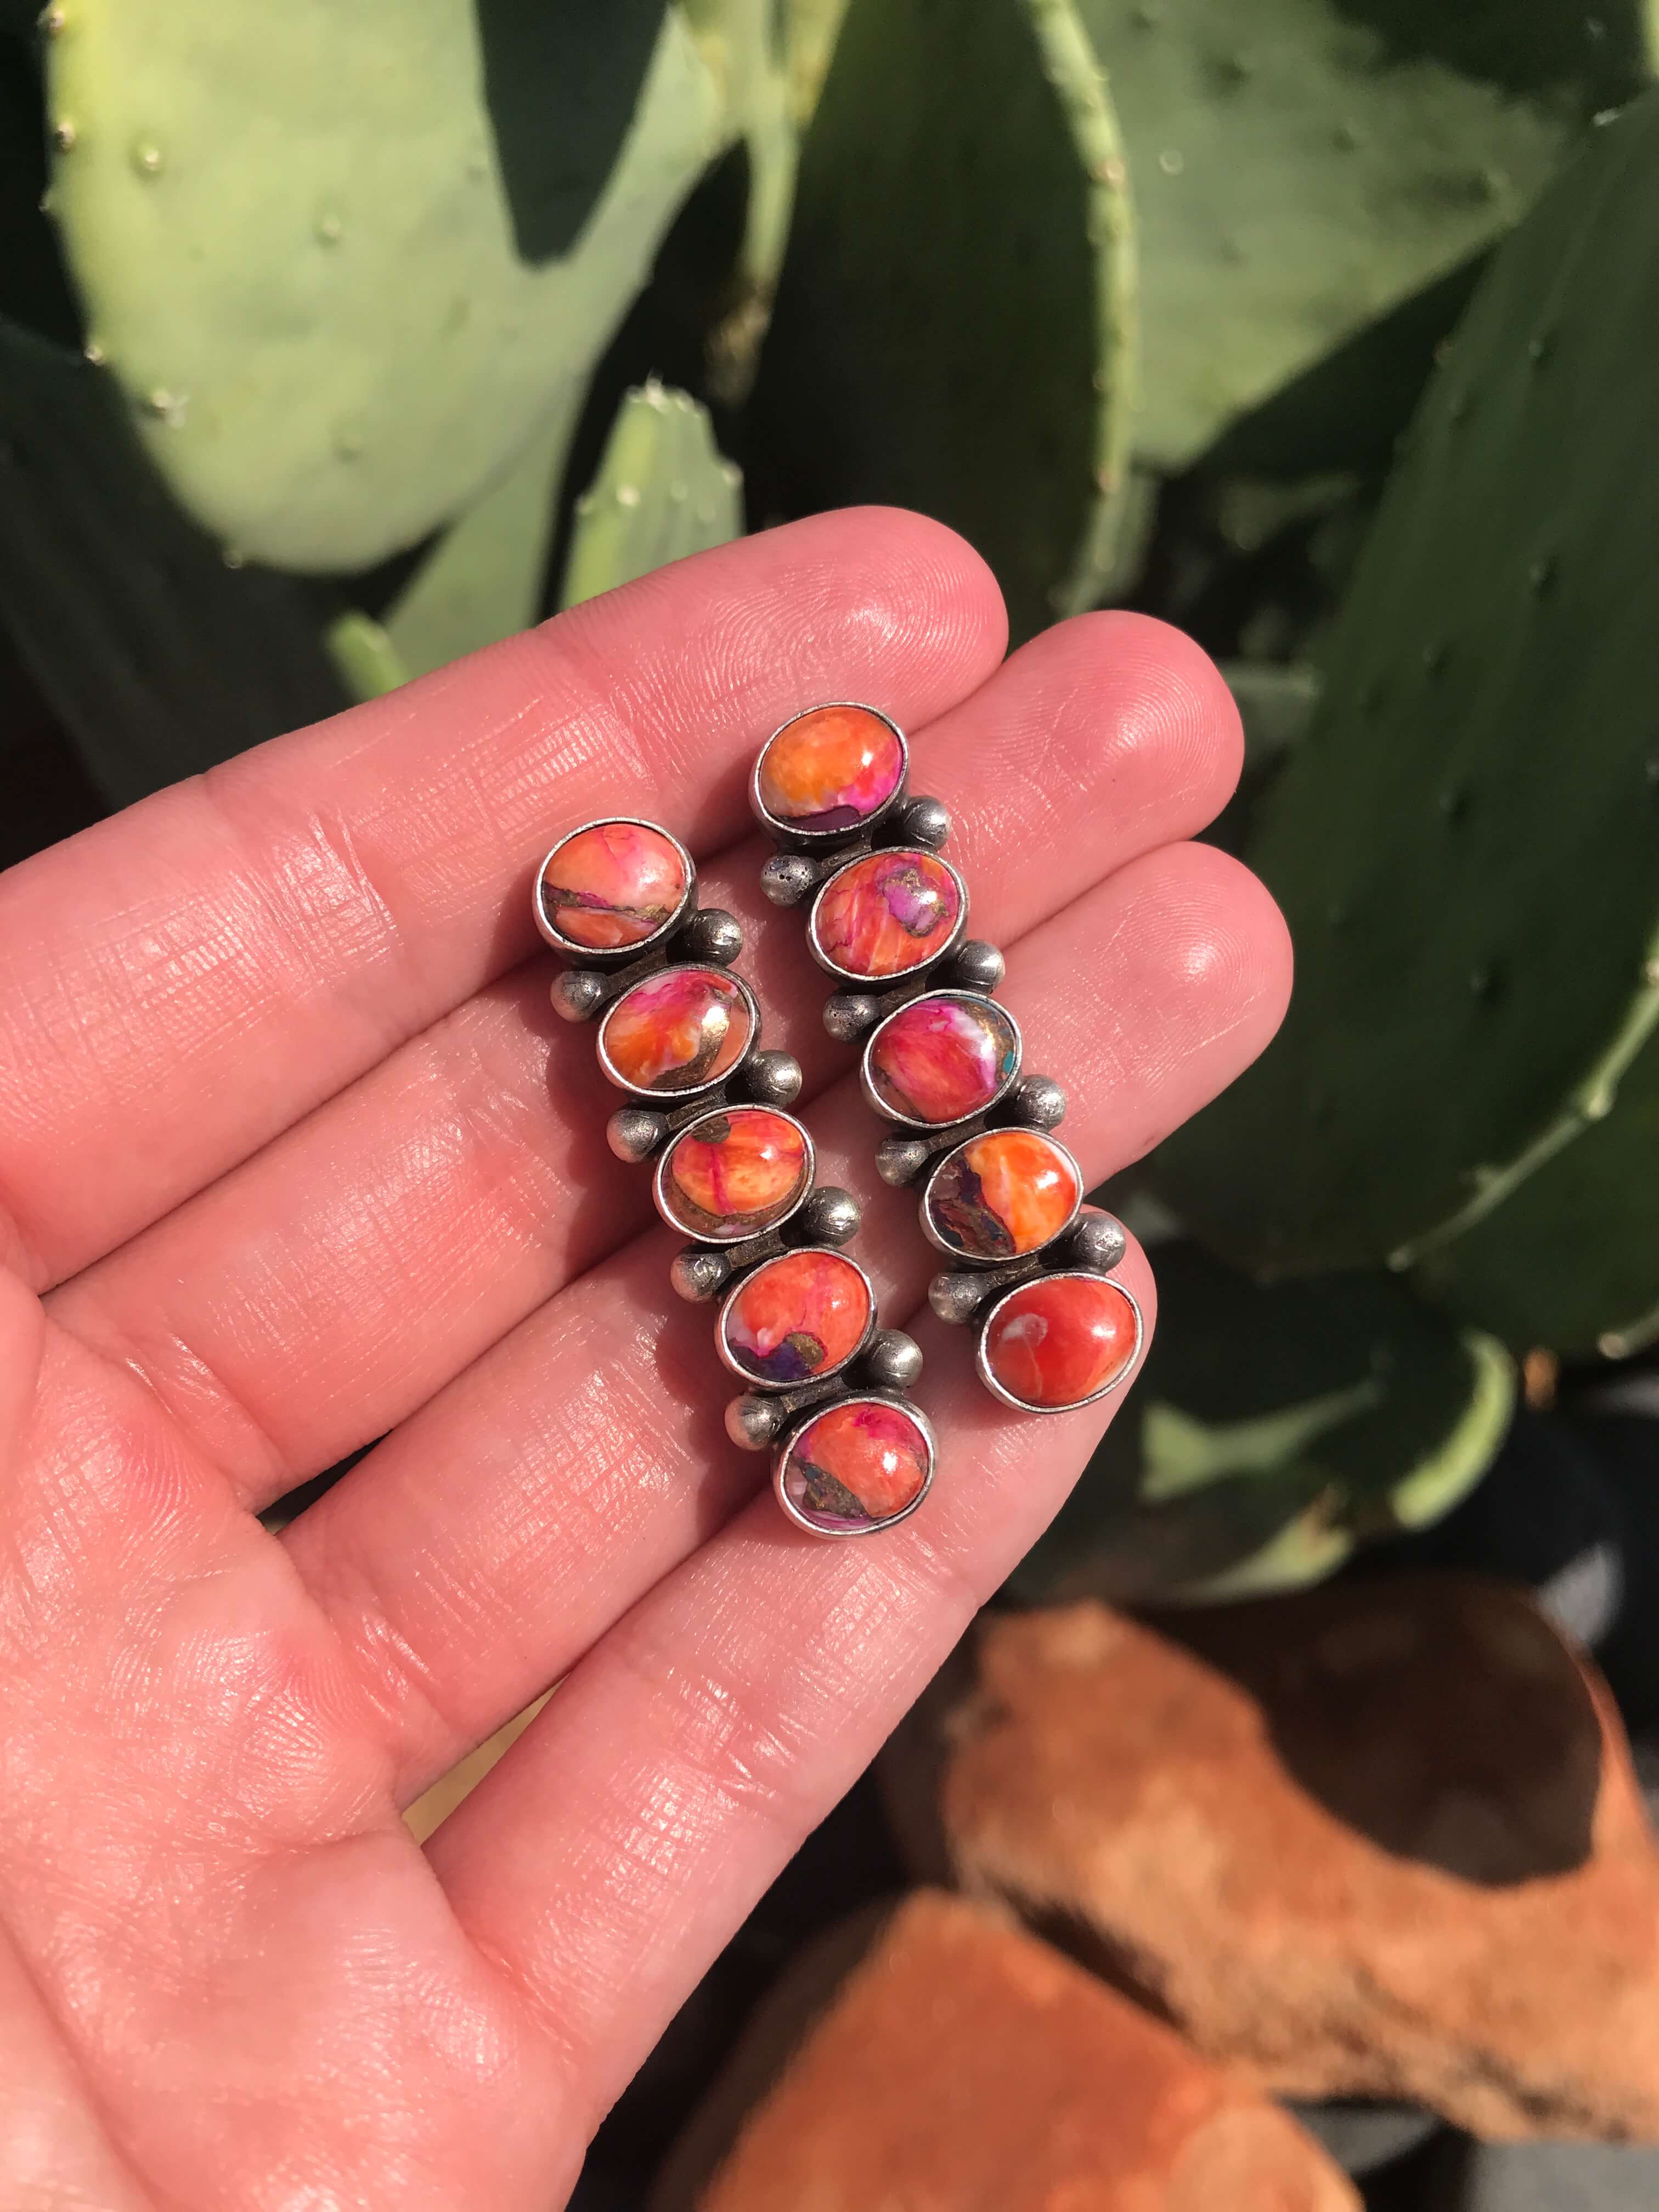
1125	1374
790	831
997	1259
783	1454
591	956
760	1382
905	1121
689	1091
942	952
751	1230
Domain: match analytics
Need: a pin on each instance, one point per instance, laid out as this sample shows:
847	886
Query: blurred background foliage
332	347
1318	327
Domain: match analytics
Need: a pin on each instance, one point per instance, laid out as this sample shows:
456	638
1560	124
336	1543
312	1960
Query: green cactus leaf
745	47
1464	844
365	659
810	28
1272	1432
301	252
1570	1259
1301	167
953	329
486	577
663	491
157	658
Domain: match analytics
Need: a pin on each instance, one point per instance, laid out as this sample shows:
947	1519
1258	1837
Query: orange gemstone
734	1173
829	768
680	1031
802	1314
862	1463
1060	1341
1003	1195
613	884
887	913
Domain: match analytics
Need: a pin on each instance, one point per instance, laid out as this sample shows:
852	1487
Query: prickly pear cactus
1274	1431
1301	166
1464	845
953	329
746	47
1571	1260
345	263
159	657
663	491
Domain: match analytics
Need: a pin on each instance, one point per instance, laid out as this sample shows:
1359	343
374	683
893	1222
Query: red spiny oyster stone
829	768
887	913
1002	1194
942	1057
679	1030
734	1173
1060	1341
800	1316
613	884
860	1464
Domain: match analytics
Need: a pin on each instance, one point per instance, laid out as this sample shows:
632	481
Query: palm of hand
293	1159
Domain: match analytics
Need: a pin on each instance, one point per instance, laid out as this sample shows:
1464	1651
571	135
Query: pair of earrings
826	1388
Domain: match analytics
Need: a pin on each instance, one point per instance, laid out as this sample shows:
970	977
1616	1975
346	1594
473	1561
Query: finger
313	1298
181	983
622	1839
475	1555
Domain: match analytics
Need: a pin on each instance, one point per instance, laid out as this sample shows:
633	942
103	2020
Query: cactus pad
293	235
1274	1431
953	322
1571	1260
1464	844
159	659
1299	166
663	491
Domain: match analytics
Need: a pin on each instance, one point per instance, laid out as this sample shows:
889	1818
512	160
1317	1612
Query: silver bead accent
900	1160
830	1216
714	935
634	1132
1037	1102
848	1014
787	878
698	1273
577	993
924	822
772	1078
977	966
892	1360
1097	1242
957	1298
753	1421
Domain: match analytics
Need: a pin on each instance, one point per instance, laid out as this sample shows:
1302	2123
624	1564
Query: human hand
294	1155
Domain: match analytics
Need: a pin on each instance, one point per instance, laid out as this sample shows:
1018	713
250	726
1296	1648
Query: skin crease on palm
293	1156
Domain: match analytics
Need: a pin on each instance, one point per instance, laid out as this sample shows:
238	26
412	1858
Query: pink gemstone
799	1316
829	768
734	1173
1060	1341
861	1464
887	913
941	1058
613	884
680	1031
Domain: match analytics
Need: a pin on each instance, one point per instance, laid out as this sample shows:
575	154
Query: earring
999	1195
680	1034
